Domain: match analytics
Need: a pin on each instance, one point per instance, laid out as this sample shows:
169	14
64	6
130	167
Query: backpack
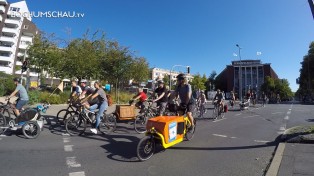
109	99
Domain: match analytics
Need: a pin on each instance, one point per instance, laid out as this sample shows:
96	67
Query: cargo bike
30	120
164	130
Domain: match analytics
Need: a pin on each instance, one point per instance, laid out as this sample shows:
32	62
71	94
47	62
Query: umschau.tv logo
49	14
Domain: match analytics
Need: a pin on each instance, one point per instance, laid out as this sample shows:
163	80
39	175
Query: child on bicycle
142	97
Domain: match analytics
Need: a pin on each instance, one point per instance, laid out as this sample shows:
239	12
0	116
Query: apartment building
160	73
17	33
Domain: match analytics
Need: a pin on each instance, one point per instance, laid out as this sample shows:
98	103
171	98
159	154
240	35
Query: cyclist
232	99
202	101
184	92
162	97
220	99
86	90
76	90
22	96
142	97
102	104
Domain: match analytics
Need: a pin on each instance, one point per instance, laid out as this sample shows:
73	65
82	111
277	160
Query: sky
201	34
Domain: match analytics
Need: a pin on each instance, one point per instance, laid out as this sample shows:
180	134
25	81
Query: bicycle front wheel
140	123
3	124
75	125
145	148
108	124
63	115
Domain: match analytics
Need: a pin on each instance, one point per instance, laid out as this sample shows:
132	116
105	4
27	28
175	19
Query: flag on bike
60	86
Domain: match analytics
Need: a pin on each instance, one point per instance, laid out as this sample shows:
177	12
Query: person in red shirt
142	97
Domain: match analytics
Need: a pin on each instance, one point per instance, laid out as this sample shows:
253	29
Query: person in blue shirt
22	96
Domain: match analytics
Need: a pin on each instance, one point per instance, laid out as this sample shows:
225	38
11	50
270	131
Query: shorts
20	104
186	107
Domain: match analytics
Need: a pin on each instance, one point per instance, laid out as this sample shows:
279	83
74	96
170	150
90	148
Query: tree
210	82
198	82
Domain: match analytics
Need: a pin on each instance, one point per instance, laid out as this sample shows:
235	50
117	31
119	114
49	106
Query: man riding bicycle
162	97
184	92
219	98
22	96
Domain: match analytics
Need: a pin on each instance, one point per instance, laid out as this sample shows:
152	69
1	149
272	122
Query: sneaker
94	130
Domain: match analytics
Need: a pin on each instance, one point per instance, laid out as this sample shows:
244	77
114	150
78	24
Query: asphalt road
240	144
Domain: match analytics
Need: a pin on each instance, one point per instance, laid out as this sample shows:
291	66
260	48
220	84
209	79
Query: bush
124	97
41	97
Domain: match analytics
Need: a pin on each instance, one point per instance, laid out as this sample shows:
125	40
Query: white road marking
261	141
68	148
2	135
283	128
233	137
219	135
77	174
219	120
66	140
276	112
251	116
238	114
289	112
286	118
65	134
71	162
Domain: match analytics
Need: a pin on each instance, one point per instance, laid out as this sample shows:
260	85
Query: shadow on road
268	144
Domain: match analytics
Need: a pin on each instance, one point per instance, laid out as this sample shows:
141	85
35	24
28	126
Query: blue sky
200	33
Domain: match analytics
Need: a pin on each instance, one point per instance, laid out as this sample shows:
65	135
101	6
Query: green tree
210	82
198	82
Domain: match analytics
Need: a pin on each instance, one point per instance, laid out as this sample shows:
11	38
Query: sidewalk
294	159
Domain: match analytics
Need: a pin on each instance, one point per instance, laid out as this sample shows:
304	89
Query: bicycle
218	111
76	124
166	130
141	119
30	119
64	114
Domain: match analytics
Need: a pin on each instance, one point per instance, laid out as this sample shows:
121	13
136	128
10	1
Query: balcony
6	58
2	9
6	69
3	2
13	23
10	30
23	46
6	49
9	40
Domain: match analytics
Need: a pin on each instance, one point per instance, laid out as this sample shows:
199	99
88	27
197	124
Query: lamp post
240	73
188	70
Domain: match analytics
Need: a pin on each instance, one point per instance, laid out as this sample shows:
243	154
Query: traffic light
188	67
24	66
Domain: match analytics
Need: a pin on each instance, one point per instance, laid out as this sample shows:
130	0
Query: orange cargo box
171	127
125	112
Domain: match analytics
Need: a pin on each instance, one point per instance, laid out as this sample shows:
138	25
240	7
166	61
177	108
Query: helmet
202	91
181	76
83	81
160	81
16	79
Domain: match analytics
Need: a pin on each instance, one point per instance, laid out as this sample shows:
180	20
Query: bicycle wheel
190	132
108	124
3	124
31	129
75	125
64	114
145	148
140	123
215	113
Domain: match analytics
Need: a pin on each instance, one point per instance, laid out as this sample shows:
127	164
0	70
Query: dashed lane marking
233	137
68	148
277	113
219	120
219	135
77	174
289	112
282	128
66	140
286	118
71	162
2	135
238	114
65	134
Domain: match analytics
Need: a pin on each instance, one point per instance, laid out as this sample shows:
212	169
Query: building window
25	26
14	9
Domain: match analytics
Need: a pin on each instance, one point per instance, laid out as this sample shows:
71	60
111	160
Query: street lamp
240	73
188	70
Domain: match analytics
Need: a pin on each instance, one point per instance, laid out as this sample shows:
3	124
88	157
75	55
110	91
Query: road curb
276	161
